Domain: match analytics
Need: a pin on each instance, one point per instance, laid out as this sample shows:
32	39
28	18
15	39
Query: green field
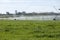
29	30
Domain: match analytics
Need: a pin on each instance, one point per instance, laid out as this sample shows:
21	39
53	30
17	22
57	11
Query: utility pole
15	11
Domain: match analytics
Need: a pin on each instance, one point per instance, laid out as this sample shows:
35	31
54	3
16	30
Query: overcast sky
29	5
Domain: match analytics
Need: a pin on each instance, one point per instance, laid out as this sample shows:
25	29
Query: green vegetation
29	30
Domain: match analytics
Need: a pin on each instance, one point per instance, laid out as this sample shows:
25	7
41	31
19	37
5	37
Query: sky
29	5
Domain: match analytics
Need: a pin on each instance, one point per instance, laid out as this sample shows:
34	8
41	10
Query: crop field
29	30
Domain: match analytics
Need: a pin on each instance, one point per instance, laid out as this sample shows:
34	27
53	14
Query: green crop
29	30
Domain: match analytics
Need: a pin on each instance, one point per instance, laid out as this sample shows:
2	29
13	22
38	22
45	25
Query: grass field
29	30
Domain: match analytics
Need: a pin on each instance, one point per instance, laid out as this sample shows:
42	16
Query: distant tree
19	13
7	13
24	12
34	13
